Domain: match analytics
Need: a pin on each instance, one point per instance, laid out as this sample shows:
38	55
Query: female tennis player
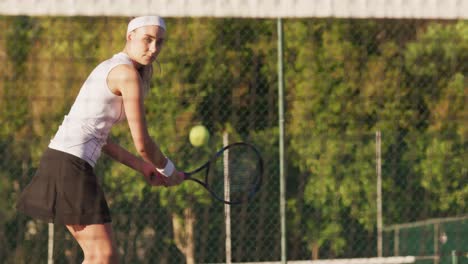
64	189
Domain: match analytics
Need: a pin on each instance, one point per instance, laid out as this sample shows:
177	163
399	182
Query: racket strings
235	174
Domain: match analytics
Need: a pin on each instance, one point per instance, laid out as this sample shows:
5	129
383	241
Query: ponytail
146	74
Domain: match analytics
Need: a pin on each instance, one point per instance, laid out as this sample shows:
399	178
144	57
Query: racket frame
206	167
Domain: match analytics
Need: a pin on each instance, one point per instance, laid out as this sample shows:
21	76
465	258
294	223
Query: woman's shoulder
117	59
121	66
121	57
122	75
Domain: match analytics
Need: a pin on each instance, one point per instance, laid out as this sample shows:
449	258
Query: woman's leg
96	241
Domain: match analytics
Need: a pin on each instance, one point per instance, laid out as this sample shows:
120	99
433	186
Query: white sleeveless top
96	109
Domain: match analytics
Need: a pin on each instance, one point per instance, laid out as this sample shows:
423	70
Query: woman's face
145	44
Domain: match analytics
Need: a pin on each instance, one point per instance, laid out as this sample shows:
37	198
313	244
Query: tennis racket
233	174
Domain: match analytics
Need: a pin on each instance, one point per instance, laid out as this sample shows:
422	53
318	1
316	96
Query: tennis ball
199	135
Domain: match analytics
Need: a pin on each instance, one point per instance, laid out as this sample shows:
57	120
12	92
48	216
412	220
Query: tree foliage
345	80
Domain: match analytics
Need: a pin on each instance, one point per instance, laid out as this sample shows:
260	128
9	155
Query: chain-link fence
344	80
432	240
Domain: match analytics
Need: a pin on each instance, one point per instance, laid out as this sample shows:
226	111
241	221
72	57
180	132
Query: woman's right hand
152	175
157	179
175	179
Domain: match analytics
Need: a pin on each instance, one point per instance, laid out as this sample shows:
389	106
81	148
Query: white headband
145	21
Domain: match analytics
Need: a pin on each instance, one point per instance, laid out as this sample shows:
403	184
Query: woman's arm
123	156
126	81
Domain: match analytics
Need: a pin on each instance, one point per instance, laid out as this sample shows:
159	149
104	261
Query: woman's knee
96	242
107	256
101	255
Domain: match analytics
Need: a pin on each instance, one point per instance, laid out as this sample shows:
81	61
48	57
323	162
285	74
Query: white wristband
168	169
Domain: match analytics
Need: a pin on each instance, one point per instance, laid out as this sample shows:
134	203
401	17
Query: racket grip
153	176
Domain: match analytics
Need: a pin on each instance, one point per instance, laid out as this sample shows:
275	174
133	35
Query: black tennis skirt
64	190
